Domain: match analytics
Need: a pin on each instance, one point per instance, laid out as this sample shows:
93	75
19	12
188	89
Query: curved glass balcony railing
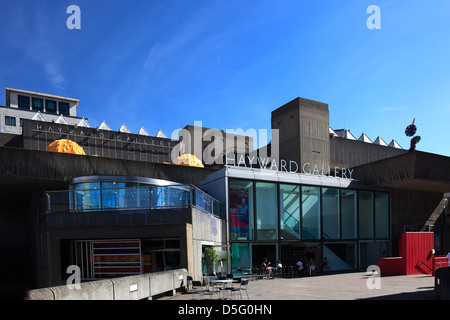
131	198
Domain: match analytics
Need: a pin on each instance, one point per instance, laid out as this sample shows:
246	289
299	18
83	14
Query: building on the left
110	201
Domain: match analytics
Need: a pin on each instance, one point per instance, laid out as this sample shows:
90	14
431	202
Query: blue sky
163	64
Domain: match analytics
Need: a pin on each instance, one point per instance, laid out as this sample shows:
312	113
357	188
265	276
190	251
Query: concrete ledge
94	290
131	288
137	287
179	278
161	282
40	294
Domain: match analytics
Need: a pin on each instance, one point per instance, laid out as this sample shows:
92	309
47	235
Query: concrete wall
350	153
145	286
207	230
303	131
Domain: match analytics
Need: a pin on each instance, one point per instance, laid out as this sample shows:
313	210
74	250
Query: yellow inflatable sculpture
65	146
188	160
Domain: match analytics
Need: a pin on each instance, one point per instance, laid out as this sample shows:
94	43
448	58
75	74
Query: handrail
131	198
426	265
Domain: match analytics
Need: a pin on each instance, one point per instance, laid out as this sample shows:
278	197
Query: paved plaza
342	286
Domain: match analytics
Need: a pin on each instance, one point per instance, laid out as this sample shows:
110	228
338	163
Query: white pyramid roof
394	144
39	117
380	141
62	120
84	123
364	138
331	132
124	129
104	126
161	134
346	134
143	132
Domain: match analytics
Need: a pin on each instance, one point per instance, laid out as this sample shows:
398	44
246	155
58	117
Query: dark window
37	104
23	102
50	106
21	122
63	108
10	121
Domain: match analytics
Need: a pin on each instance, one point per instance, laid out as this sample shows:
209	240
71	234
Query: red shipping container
416	255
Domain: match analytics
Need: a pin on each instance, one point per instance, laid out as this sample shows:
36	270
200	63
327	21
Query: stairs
435	214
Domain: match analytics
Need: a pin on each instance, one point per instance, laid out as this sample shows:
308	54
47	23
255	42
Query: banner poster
239	214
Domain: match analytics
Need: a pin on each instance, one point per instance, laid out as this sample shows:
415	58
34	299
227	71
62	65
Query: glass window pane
348	214
50	106
23	102
240	257
381	215
311	212
37	104
241	210
340	255
330	211
109	194
365	208
63	108
266	211
263	251
87	200
289	211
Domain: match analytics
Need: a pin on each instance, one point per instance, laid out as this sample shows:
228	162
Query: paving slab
339	286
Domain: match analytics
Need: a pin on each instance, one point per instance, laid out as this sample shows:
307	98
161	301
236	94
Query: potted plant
211	257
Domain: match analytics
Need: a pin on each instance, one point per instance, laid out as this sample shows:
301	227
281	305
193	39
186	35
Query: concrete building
24	104
123	208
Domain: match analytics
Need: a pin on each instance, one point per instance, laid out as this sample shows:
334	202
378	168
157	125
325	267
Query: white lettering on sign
132	138
287	166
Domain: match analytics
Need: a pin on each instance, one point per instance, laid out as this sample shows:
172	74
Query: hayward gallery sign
287	166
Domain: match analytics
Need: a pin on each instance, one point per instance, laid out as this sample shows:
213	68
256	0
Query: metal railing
131	198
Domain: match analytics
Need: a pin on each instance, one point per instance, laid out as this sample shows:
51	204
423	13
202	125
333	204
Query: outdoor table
224	285
208	278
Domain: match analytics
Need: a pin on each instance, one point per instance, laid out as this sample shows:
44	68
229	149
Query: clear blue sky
163	64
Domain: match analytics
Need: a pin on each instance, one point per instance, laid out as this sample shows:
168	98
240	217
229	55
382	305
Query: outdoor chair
197	288
242	287
279	272
290	271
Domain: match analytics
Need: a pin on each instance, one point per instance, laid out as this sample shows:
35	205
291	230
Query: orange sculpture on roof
188	160
65	146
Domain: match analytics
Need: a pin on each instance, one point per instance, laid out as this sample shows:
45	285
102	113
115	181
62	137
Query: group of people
310	266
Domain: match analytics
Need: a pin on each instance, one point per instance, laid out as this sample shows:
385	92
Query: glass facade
348	214
241	210
289	222
331	213
365	208
311	212
118	195
289	212
266	211
381	205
